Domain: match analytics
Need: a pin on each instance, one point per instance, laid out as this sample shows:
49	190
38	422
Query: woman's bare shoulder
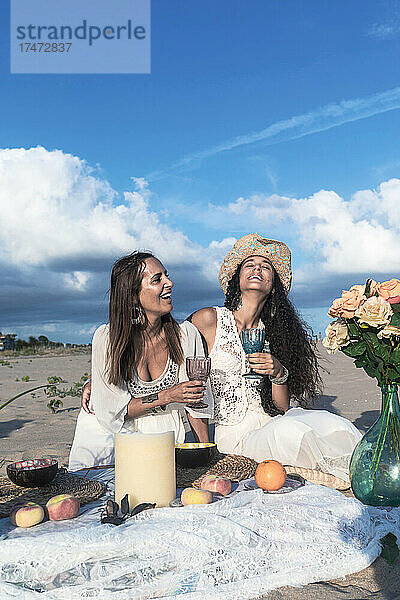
204	318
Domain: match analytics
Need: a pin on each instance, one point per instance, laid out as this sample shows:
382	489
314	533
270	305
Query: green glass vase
375	463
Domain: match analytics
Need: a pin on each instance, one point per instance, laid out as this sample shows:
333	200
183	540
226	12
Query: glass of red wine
198	368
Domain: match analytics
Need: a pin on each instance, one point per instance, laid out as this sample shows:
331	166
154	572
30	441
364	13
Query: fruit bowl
194	454
32	473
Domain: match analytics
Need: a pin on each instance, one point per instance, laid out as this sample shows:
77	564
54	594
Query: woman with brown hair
139	380
253	416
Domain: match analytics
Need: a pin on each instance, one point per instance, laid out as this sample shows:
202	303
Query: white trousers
315	439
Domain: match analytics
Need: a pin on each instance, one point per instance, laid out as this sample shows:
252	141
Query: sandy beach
28	429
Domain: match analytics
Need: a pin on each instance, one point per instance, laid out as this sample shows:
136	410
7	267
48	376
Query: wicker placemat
314	476
231	466
85	490
238	468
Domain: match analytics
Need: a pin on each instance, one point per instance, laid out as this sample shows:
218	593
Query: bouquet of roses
367	328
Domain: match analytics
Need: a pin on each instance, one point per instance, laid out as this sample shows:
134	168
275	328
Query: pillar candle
145	467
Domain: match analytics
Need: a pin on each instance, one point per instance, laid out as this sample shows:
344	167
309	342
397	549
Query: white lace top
233	394
169	377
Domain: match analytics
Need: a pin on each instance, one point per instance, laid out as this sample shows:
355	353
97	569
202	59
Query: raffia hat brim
254	244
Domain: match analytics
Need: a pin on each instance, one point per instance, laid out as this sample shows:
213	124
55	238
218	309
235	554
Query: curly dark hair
290	341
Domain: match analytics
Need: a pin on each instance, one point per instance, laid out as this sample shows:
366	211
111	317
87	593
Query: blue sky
275	117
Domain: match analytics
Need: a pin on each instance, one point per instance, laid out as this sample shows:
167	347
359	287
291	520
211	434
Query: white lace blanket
238	548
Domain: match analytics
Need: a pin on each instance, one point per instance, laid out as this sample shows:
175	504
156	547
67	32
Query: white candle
145	467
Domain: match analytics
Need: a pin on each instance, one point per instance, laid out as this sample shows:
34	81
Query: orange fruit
270	475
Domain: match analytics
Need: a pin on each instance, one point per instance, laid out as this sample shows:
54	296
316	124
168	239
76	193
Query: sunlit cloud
62	226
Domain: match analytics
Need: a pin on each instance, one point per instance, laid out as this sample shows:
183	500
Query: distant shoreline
44	353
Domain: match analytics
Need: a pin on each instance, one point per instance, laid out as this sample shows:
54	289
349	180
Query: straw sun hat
255	245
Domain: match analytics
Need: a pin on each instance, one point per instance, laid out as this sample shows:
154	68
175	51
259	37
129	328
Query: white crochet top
233	394
169	377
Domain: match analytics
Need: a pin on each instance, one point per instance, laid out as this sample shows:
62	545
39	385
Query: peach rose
390	291
375	312
361	288
336	307
349	302
388	332
337	336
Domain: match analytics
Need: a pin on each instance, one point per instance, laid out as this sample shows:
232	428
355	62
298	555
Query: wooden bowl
194	454
32	473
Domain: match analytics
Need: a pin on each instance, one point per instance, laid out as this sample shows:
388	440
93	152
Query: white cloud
62	226
54	208
213	257
346	240
77	280
49	327
360	235
87	330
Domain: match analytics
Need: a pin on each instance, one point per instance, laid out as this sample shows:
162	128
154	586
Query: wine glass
252	341
198	367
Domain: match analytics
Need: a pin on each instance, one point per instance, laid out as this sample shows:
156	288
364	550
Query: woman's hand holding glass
263	363
191	392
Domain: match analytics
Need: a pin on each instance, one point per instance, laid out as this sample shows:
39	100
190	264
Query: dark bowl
194	454
32	473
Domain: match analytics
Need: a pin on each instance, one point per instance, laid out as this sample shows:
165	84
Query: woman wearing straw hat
253	416
138	371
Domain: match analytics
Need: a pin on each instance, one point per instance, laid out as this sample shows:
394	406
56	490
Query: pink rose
390	291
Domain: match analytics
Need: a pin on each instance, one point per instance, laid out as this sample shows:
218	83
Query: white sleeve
110	403
192	345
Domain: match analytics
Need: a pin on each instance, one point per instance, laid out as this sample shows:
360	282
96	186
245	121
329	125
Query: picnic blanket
240	547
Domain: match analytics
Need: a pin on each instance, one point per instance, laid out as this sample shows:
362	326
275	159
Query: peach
216	484
63	506
193	496
26	514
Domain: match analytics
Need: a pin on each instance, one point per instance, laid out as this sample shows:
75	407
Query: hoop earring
137	315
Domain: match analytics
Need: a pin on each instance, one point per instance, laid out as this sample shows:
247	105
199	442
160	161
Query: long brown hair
127	339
